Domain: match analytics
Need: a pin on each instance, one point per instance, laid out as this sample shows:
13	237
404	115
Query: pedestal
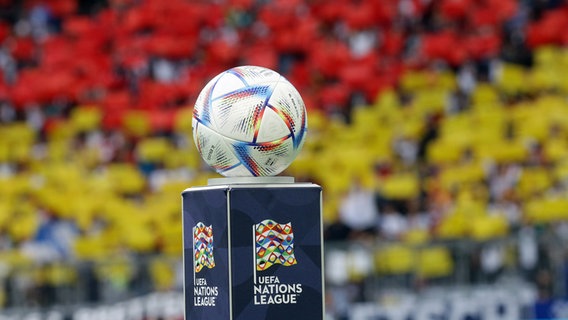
253	250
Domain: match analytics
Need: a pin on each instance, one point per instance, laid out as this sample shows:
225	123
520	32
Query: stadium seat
23	224
487	227
416	236
484	95
153	149
546	210
137	123
395	260
183	120
453	226
511	80
90	248
444	152
401	186
533	181
462	174
125	178
434	262
162	274
86	118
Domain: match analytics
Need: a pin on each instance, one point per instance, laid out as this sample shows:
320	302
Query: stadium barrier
363	278
160	305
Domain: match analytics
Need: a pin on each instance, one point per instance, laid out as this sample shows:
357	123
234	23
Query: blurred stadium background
437	128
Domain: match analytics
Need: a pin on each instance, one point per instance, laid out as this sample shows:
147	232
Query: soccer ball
249	121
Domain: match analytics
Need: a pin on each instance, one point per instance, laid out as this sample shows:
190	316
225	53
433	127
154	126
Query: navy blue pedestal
253	251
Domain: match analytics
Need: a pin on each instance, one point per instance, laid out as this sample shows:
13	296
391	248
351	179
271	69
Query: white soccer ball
249	121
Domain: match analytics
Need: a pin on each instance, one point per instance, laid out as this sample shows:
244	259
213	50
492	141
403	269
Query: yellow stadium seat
16	185
171	234
303	165
61	132
23	225
530	122
430	100
546	210
460	175
534	180
137	123
14	259
412	81
16	142
337	183
20	152
416	236
561	170
494	118
387	99
17	132
547	56
117	272
358	161
181	158
153	149
488	227
456	125
125	178
364	117
446	80
86	118
162	274
434	262
6	209
444	152
183	119
138	236
4	151
90	248
453	226
484	95
502	151
401	186
59	274
412	128
546	77
556	149
395	259
330	210
58	150
512	79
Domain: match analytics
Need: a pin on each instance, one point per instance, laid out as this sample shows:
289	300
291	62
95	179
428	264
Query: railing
357	272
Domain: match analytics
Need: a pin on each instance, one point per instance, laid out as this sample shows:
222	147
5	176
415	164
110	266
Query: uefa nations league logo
274	244
203	247
204	294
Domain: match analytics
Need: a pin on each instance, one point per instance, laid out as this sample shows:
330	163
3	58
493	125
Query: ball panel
226	84
272	127
237	115
253	74
214	148
267	158
288	103
238	171
202	109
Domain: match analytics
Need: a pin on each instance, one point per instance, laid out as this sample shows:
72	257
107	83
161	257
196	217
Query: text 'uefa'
204	295
269	290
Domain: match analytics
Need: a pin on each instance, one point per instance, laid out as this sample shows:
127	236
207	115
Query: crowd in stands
428	119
